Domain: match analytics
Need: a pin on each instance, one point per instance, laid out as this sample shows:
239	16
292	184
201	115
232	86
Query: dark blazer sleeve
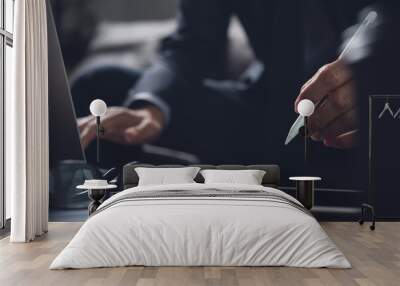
195	50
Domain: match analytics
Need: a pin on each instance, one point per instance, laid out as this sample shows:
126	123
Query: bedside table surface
86	187
305	178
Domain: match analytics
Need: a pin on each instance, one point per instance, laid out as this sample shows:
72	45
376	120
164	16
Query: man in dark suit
248	121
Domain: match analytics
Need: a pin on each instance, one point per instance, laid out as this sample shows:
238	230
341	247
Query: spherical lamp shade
305	107
98	107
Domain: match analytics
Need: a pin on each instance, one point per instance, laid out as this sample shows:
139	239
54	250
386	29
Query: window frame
6	39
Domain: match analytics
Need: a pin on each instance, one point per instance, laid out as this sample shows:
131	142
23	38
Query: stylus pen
370	18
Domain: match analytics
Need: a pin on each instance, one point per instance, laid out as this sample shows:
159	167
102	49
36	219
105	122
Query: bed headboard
271	178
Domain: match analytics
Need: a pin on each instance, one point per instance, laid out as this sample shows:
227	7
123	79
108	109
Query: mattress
201	225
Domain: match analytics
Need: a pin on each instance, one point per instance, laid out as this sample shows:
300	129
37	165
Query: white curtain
27	145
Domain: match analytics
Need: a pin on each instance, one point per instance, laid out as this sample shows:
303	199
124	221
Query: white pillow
164	176
248	177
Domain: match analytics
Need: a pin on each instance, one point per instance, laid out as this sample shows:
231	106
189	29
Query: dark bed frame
271	178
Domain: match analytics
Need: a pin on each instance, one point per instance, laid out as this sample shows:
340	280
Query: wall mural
219	85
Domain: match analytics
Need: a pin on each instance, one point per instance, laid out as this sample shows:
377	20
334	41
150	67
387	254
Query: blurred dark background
127	33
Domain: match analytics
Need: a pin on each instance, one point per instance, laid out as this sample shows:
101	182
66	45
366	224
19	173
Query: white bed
265	229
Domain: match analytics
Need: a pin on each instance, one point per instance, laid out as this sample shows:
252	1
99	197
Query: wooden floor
375	257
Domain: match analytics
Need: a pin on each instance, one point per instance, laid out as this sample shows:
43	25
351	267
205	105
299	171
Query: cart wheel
361	222
372	227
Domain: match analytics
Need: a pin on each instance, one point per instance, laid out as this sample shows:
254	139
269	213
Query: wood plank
375	257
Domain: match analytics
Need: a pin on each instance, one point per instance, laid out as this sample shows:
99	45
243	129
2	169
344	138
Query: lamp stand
99	131
305	139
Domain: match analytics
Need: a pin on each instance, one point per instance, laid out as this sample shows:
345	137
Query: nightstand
305	190
96	193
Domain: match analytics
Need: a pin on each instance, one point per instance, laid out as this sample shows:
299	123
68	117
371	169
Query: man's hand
124	126
335	120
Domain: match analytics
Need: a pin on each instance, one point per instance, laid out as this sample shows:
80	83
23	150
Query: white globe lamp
305	107
98	108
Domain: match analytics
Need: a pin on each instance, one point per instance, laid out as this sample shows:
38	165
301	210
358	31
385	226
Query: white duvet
200	231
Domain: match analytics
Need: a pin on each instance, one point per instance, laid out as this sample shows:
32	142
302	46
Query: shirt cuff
141	99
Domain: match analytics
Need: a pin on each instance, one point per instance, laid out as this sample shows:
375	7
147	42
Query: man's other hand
335	120
124	126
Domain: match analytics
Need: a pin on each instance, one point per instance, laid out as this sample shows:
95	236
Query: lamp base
96	196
